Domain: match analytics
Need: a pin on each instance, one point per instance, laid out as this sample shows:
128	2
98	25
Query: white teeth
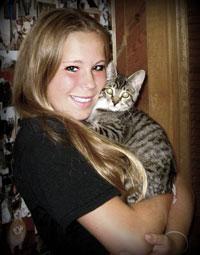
81	99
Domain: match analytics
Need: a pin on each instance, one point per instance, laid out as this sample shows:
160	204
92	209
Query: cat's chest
110	124
104	118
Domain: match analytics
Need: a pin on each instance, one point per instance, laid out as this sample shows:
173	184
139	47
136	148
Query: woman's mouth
82	102
81	99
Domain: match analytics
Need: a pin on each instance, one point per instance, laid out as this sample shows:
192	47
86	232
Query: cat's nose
116	100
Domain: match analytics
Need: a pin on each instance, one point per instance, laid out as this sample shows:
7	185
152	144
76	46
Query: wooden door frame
168	73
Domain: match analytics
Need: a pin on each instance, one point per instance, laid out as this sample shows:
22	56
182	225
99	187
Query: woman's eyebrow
79	61
71	61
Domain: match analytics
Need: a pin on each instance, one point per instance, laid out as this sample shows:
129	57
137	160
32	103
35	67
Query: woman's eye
109	91
71	68
125	95
99	67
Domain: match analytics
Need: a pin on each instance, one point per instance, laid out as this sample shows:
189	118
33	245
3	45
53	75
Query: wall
194	79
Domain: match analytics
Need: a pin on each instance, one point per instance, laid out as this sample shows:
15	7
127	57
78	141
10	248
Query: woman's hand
170	243
162	244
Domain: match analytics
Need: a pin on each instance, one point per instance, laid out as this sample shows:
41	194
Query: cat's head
120	92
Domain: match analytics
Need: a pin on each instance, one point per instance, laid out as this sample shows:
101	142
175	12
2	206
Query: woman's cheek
71	81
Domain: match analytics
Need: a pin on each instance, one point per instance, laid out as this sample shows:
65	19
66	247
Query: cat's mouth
81	99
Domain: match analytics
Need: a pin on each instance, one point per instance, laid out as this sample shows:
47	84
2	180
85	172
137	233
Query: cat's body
116	117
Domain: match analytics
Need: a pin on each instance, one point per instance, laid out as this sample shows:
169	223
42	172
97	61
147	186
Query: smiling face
80	77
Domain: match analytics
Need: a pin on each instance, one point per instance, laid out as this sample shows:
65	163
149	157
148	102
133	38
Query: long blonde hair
39	58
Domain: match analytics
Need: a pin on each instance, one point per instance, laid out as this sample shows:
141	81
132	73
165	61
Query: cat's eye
109	91
71	68
125	95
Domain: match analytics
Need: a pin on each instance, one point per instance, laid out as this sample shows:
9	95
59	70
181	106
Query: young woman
70	178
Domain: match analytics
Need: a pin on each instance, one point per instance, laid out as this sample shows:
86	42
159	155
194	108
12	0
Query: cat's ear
136	79
111	71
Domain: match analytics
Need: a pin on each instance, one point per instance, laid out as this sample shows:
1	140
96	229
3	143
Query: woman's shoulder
32	134
32	125
36	124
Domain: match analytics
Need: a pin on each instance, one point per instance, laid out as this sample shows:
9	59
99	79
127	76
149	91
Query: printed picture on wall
10	10
19	30
43	7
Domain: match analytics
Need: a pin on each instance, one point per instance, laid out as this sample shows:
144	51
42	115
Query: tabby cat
116	117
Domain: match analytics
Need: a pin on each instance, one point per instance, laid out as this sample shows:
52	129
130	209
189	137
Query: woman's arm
121	228
179	219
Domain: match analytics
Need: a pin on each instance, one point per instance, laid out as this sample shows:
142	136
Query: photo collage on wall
16	19
21	14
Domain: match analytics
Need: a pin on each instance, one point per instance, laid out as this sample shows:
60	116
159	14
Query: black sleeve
65	184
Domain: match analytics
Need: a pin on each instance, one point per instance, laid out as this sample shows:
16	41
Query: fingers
155	239
161	244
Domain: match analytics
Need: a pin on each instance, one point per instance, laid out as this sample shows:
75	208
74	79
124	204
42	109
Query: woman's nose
88	81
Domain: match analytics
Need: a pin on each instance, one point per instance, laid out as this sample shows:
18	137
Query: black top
58	186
